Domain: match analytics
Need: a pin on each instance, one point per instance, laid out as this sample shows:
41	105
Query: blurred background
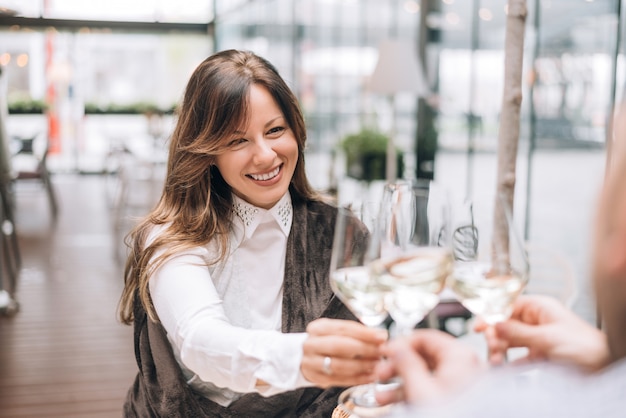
92	87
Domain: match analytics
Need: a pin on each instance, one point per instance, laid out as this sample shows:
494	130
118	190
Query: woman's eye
276	130
236	142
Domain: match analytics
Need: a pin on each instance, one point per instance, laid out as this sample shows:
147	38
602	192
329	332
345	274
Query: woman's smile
266	176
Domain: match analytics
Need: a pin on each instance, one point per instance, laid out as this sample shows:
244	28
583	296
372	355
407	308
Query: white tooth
266	176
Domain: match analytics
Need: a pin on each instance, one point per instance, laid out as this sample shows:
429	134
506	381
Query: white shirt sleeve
189	307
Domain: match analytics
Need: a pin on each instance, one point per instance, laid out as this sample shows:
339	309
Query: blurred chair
140	168
29	164
9	253
137	166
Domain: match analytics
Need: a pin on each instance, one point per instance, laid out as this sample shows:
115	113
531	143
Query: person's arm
246	360
431	364
551	332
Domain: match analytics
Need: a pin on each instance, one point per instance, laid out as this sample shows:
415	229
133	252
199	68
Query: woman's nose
263	151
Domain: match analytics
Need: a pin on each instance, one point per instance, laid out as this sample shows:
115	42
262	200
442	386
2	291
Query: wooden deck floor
64	354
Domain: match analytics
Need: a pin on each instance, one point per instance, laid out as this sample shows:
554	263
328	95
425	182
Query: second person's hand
550	331
430	363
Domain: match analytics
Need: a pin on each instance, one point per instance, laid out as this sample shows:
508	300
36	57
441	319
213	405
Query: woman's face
259	163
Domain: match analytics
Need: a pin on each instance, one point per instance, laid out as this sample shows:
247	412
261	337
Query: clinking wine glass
416	255
354	247
490	269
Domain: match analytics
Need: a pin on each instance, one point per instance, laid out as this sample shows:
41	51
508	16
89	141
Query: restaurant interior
88	99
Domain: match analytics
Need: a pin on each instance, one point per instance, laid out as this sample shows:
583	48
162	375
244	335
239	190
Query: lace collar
251	216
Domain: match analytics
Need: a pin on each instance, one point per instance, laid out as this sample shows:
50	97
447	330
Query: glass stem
498	359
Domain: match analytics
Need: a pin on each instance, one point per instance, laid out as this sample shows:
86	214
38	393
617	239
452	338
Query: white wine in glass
413	282
488	274
486	294
354	247
416	255
365	299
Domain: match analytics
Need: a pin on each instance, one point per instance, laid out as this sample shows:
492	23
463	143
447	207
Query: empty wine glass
354	247
415	255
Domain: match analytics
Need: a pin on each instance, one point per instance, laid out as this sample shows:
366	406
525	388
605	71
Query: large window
128	10
97	83
327	50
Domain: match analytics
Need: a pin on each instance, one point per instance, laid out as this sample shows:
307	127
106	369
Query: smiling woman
259	165
217	332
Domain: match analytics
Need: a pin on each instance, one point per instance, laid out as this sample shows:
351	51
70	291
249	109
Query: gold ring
326	366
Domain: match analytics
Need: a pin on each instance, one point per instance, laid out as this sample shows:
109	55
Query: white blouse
224	321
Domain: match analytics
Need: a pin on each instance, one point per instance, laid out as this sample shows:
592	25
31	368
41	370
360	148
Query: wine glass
415	254
354	247
490	269
347	408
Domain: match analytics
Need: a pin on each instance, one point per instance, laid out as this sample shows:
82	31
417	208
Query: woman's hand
341	352
550	331
430	363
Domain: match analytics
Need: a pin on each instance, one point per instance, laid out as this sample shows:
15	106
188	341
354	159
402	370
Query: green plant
136	108
26	106
365	141
366	155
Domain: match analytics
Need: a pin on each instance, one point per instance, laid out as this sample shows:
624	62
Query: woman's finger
341	346
333	371
356	330
395	395
518	334
413	370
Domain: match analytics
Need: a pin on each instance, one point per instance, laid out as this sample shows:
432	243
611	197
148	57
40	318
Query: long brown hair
195	205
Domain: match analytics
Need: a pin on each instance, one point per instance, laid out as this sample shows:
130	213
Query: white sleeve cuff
280	363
